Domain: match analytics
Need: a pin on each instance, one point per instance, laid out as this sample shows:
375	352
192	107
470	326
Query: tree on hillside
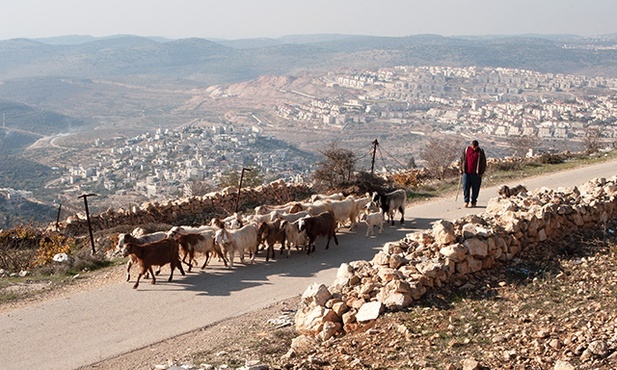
336	169
196	188
231	177
522	144
440	153
591	140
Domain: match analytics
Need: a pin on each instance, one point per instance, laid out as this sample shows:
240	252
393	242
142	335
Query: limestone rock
443	232
369	311
476	247
316	293
455	252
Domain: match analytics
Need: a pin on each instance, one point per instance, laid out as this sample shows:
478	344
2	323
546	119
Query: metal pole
58	218
240	187
375	143
85	196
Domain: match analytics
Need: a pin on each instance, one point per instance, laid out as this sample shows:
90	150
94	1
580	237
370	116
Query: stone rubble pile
186	210
448	254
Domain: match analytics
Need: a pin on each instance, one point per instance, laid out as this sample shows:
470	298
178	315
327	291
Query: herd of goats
295	224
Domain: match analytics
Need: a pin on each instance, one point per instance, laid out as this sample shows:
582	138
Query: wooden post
240	187
58	218
85	196
375	143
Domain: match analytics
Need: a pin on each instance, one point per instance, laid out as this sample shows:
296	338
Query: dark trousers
471	184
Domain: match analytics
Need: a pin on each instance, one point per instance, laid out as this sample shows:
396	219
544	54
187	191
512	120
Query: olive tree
439	153
522	144
251	179
337	167
591	140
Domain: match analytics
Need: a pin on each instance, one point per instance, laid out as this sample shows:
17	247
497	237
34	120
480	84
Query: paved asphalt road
91	326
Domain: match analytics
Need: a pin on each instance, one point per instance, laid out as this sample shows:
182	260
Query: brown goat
142	239
271	233
324	224
202	242
157	253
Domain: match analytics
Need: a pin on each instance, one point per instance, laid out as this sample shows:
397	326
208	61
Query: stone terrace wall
187	211
403	271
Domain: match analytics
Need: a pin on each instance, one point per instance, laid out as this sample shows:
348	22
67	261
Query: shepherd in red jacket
472	166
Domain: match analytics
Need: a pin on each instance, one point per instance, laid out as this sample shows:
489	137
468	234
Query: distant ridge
227	61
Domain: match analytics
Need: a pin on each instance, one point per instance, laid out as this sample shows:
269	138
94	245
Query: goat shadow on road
216	280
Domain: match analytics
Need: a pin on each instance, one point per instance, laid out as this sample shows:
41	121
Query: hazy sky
235	19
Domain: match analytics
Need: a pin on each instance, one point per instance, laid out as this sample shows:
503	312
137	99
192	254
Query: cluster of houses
161	164
492	101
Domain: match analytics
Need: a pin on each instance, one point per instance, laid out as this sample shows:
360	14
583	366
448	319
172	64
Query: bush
18	248
26	247
549	158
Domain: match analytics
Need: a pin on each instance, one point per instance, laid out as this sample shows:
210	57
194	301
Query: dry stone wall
187	211
404	270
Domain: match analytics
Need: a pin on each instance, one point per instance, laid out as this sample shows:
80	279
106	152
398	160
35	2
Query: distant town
493	102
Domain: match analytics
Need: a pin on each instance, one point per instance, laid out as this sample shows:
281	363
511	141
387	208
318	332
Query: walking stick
460	184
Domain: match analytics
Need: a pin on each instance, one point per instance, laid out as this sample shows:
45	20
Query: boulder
316	293
454	252
476	247
443	232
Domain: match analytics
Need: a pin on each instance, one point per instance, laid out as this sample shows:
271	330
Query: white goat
244	239
337	196
372	219
344	210
318	207
294	236
289	217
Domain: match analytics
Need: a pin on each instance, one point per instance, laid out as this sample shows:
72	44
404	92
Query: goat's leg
310	244
142	272
206	260
231	259
179	266
153	277
221	255
137	282
128	269
191	256
172	266
268	249
402	214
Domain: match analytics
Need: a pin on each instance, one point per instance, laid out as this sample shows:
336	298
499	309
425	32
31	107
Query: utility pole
58	217
240	187
85	196
375	143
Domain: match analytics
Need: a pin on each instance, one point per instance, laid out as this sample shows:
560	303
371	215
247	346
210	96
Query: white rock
61	257
563	365
369	311
443	231
316	293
